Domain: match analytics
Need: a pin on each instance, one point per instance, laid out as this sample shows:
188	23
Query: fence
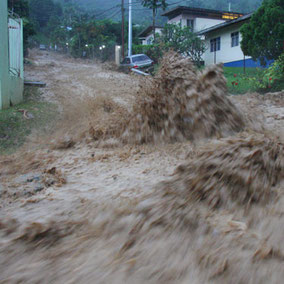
15	46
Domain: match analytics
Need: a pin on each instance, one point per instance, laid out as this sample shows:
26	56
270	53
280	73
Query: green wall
11	88
4	64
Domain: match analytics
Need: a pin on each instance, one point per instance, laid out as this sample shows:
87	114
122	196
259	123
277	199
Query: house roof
201	12
225	24
148	30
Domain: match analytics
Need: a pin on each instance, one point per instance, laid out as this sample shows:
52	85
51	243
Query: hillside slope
111	9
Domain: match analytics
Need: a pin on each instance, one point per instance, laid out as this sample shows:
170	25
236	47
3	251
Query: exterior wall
16	89
15	47
249	63
16	61
226	53
199	23
175	20
148	39
11	85
4	64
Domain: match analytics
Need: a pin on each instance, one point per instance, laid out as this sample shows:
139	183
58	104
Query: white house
223	43
198	18
147	37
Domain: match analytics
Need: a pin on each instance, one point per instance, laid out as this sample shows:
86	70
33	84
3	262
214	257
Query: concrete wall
226	52
11	87
199	23
175	20
16	60
249	63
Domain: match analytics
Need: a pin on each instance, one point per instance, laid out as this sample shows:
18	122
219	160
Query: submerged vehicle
137	61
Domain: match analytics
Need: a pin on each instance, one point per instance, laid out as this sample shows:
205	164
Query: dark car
138	61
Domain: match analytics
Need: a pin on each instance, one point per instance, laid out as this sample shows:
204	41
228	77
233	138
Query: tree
184	41
42	10
21	8
263	36
154	5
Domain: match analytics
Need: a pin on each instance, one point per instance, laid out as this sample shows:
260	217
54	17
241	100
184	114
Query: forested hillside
111	9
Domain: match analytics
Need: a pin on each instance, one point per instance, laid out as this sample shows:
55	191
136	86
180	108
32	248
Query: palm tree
154	5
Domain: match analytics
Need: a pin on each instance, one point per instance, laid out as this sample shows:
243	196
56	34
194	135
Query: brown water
181	103
178	212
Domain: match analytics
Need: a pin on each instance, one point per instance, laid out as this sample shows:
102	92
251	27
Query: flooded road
84	206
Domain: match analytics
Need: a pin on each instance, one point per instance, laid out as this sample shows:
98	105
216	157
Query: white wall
226	52
175	20
199	23
150	37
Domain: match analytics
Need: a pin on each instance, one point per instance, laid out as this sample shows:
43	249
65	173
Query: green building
11	58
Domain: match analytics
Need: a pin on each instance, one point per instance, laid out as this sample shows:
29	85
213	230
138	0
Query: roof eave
224	25
149	29
184	9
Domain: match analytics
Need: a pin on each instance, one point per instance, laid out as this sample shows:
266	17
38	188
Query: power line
145	8
103	12
114	14
138	3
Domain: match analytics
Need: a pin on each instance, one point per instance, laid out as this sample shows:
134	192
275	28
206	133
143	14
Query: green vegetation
44	11
256	79
15	126
272	78
154	5
106	9
239	82
154	51
181	40
262	37
70	28
184	41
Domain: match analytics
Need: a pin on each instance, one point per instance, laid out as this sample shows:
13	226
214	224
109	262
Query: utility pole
122	27
130	29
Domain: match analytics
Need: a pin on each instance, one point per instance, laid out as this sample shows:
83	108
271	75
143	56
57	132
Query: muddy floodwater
162	180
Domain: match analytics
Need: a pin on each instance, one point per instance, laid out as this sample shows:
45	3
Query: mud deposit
194	194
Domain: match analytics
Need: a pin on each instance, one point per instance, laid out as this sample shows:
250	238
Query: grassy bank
17	122
240	82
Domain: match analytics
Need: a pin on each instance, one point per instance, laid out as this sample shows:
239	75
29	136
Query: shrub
154	51
271	79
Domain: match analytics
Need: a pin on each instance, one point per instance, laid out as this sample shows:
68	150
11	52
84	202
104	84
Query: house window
235	39
190	23
215	44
